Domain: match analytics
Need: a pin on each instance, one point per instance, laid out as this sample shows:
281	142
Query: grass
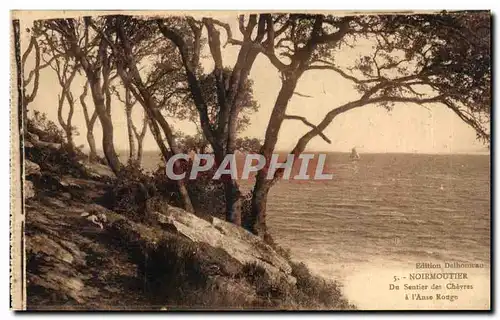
180	274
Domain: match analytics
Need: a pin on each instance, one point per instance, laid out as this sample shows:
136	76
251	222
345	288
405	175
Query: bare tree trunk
233	202
257	221
140	137
135	153
97	67
132	156
89	122
71	142
143	95
262	186
185	198
92	146
139	151
107	126
66	95
156	118
32	77
188	206
66	128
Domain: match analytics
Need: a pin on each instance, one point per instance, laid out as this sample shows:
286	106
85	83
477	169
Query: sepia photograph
252	161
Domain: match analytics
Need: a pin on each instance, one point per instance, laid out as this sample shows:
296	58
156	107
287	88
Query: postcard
224	160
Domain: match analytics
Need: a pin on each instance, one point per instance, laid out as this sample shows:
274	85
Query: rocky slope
81	255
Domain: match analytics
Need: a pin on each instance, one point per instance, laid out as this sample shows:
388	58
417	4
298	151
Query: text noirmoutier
442	275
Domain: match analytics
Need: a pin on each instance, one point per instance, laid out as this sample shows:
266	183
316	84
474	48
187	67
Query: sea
381	216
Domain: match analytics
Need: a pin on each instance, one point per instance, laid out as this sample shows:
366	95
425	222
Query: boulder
69	182
97	170
31	168
238	243
35	140
58	260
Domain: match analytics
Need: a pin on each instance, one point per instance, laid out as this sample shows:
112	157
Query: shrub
275	293
285	253
64	160
46	129
315	292
57	162
130	192
165	187
310	292
171	269
207	195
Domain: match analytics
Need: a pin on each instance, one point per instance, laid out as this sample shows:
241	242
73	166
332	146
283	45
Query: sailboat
354	155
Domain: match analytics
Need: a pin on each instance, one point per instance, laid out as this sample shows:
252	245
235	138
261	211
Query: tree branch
193	82
330	66
302	142
309	124
302	95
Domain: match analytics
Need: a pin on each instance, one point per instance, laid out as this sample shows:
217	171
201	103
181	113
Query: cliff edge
82	255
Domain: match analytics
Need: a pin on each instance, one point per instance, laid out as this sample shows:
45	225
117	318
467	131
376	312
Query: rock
31	169
68	181
97	170
55	202
41	243
95	220
99	219
35	140
32	137
105	215
29	189
66	195
235	241
28	144
59	258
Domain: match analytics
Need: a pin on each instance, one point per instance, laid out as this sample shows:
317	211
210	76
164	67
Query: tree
66	71
220	124
417	59
139	135
129	103
196	143
32	78
130	40
89	123
91	51
247	144
134	134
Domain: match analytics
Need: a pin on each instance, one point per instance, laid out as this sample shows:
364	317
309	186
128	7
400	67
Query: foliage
316	292
309	293
47	130
199	144
64	160
180	274
247	144
246	102
134	188
130	192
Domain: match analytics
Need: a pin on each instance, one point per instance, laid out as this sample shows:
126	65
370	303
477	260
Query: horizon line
472	152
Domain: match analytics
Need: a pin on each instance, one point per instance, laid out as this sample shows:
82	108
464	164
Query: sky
408	128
